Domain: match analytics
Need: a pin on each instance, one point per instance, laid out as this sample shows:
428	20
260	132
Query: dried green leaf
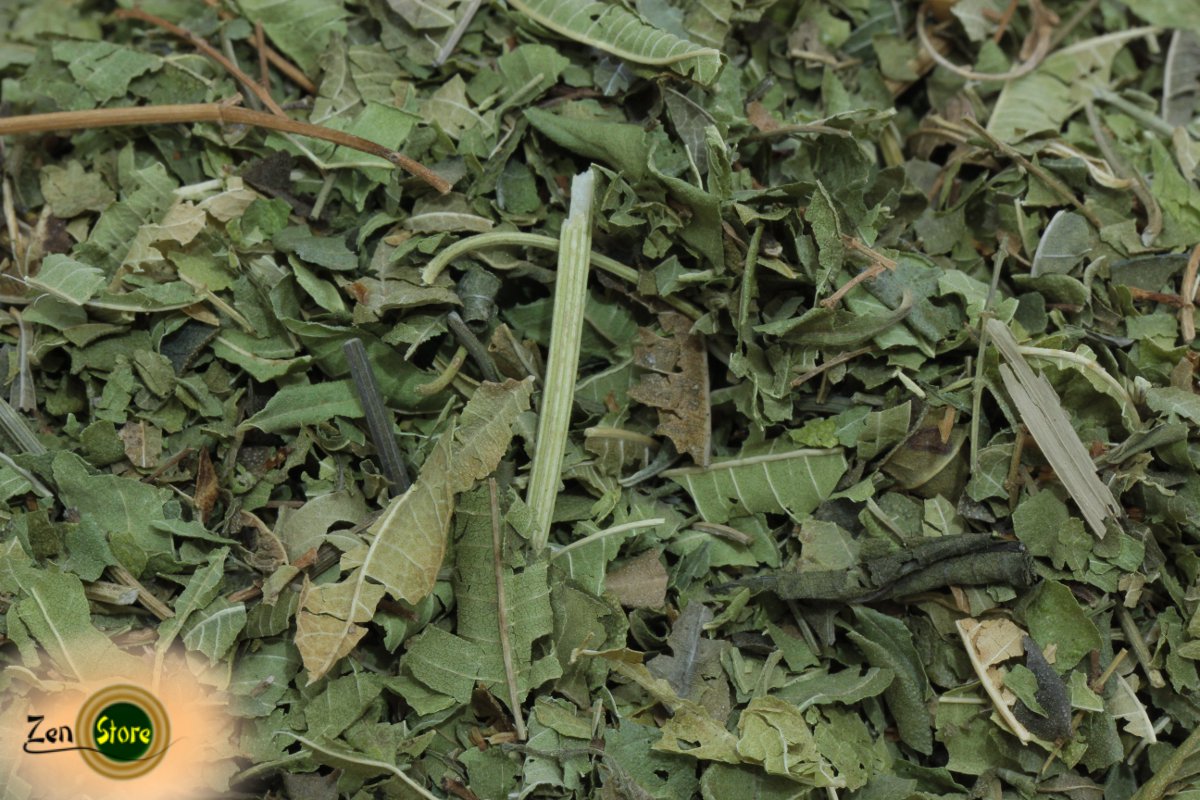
619	32
408	542
776	479
306	404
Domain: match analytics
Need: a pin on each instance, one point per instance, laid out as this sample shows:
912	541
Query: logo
121	732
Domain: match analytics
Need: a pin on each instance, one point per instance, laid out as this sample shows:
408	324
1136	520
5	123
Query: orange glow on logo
134	738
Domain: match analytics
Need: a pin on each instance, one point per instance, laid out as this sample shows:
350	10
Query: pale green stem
1169	769
977	379
1146	118
518	239
562	363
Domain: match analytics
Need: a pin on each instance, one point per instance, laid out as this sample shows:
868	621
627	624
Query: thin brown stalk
216	113
879	263
1005	19
1187	291
204	47
514	697
1053	183
166	465
874	255
1157	297
260	46
290	70
145	598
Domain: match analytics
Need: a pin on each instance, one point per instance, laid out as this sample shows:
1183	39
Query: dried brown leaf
677	385
143	444
640	582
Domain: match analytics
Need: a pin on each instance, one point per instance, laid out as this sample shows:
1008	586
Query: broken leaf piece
988	642
773	733
617	31
408	541
775	479
677	385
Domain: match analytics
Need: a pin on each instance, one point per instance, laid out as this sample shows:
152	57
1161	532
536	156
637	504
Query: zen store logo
121	732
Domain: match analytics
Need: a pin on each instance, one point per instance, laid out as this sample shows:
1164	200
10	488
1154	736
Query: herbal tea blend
600	399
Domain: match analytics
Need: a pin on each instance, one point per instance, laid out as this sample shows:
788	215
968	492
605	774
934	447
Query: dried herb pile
856	461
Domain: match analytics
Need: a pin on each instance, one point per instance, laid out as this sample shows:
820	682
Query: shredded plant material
629	399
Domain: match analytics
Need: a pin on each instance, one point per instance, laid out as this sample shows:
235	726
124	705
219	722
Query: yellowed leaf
408	541
323	636
985	642
997	640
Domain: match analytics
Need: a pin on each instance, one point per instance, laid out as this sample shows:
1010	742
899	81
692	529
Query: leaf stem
1041	173
993	692
829	363
446	376
1043	29
516	238
751	460
1137	641
18	430
211	112
479	354
39	488
562	363
1188	290
1166	774
379	419
604	534
464	22
879	263
289	69
151	603
1146	119
204	47
980	356
1141	190
543	14
514	696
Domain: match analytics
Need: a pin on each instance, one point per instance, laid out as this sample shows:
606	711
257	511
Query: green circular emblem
123	732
